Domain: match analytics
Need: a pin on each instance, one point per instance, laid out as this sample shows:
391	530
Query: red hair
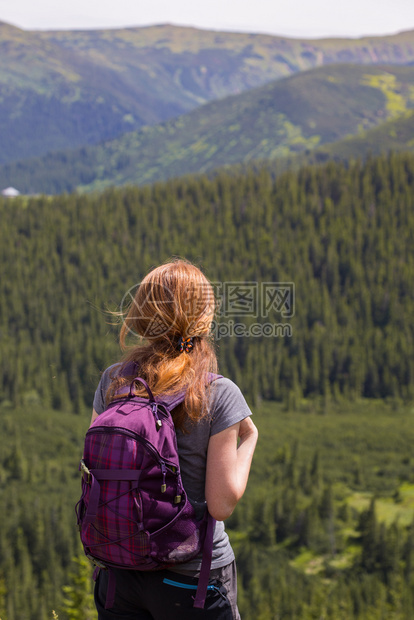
173	301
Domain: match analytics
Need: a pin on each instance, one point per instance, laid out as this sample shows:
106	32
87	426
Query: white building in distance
10	192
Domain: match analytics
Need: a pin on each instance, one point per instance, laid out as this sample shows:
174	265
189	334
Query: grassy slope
396	134
372	435
283	118
63	89
365	450
54	98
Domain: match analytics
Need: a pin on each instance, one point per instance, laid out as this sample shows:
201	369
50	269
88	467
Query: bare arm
228	467
94	415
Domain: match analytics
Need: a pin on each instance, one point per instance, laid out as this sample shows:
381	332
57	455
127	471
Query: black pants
165	595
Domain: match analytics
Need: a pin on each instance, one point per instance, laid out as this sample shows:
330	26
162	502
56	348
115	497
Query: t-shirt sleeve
104	383
229	405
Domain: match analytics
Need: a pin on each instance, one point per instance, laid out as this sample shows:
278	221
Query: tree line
343	234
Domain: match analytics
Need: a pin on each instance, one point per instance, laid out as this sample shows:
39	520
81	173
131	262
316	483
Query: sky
295	18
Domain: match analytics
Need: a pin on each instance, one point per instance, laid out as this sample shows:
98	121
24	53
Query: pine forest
326	527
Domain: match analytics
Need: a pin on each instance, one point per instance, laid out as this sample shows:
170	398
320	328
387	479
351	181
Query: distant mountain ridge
309	111
64	89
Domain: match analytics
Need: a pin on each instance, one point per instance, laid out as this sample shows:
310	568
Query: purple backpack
134	512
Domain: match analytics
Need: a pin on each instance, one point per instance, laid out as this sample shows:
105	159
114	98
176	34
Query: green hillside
342	234
326	528
278	120
396	134
53	98
309	541
59	90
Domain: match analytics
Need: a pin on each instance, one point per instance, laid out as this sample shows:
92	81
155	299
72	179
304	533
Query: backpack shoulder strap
174	400
171	401
205	568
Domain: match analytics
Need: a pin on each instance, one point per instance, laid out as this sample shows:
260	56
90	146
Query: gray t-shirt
228	407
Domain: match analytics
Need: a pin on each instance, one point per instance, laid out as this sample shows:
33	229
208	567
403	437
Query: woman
173	311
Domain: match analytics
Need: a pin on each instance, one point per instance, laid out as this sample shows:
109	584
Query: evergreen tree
78	603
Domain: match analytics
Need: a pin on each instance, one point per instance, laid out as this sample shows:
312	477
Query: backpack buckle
96	562
86	474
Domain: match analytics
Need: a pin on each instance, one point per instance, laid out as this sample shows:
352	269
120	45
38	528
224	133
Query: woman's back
173	311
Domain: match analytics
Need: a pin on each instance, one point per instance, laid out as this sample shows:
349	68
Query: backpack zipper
164	465
155	408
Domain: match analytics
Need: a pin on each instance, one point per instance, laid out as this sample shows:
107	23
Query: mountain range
86	109
315	110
